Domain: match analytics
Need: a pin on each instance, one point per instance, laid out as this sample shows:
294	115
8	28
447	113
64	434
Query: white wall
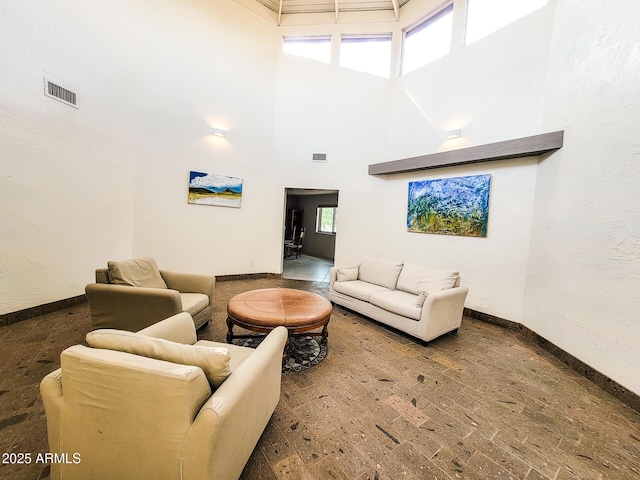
492	89
66	175
326	109
109	180
582	289
203	64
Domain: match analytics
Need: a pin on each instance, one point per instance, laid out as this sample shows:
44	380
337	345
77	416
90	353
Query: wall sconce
218	132
451	134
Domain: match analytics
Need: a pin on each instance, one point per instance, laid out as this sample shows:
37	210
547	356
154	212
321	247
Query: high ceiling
282	8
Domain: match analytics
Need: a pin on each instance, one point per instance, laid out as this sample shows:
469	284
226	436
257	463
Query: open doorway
309	236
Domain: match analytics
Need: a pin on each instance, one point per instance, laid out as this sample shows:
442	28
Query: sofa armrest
177	328
130	308
229	425
190	282
442	312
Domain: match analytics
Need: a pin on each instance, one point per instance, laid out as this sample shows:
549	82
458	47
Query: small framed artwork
213	189
450	206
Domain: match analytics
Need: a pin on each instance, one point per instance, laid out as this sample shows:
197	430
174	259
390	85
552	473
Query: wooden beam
517	148
280	12
396	9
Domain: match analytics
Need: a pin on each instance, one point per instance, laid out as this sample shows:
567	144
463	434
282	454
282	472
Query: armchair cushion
214	361
137	272
238	353
194	302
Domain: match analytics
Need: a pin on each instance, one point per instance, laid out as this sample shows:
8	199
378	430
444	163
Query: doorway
312	212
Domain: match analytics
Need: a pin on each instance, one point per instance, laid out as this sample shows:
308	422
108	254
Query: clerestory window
486	16
427	40
367	53
316	48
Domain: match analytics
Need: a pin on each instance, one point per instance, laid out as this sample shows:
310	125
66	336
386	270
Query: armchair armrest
442	312
177	328
51	393
190	282
236	414
130	308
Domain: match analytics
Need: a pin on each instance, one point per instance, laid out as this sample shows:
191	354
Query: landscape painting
212	189
450	206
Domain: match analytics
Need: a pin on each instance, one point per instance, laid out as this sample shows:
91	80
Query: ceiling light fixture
218	132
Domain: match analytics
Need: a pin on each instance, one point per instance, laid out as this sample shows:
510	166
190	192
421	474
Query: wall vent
59	93
319	158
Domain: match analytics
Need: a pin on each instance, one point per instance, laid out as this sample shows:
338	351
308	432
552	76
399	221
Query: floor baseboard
27	313
246	276
32	312
605	383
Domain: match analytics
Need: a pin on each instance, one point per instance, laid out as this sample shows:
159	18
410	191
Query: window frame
319	209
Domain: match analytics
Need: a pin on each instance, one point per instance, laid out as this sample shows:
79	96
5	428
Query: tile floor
306	267
483	404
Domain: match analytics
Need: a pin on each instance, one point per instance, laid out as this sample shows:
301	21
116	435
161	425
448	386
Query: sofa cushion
415	279
194	302
422	296
398	302
358	289
215	362
380	272
347	274
137	272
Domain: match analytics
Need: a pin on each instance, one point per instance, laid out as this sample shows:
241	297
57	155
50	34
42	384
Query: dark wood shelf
517	148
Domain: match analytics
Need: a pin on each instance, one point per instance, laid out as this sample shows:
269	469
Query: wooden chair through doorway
295	247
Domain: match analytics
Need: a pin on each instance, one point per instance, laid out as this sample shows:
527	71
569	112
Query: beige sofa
133	294
420	301
118	415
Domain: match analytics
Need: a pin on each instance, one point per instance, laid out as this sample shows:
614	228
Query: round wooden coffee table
263	310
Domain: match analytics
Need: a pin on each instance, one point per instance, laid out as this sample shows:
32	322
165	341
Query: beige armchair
133	294
123	415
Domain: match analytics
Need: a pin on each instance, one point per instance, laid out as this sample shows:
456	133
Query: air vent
60	93
319	158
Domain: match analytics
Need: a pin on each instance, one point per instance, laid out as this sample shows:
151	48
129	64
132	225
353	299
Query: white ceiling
283	8
324	6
